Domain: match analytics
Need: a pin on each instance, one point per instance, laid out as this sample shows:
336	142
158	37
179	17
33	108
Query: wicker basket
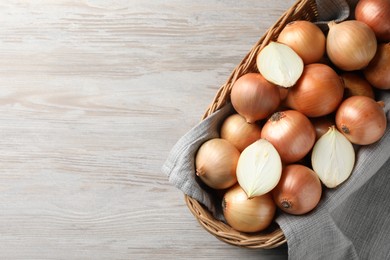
272	237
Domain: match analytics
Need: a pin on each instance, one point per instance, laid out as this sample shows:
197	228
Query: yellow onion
253	97
259	168
318	92
350	44
333	158
356	85
283	93
216	162
291	133
305	38
375	13
322	124
240	133
279	64
361	119
247	215
378	71
298	191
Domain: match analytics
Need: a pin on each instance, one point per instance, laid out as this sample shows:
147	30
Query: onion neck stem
331	23
200	172
381	103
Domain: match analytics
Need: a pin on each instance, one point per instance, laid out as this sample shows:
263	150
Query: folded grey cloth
180	165
352	221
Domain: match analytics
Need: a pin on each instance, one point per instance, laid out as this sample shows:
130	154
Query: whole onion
298	191
318	92
253	97
216	162
361	119
305	38
375	13
247	215
350	44
378	71
240	133
291	133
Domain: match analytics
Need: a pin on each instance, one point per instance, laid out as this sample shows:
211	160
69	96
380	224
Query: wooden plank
94	94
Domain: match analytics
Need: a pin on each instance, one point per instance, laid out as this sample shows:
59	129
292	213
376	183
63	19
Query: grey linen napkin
352	221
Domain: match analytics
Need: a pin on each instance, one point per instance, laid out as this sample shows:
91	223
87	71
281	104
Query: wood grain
93	95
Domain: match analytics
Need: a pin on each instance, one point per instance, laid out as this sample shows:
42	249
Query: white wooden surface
93	95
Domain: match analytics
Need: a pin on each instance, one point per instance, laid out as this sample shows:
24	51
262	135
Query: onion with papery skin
322	124
305	38
376	14
378	71
283	93
318	92
216	162
350	44
356	85
253	97
279	64
298	191
247	215
333	158
291	133
240	133
361	119
259	168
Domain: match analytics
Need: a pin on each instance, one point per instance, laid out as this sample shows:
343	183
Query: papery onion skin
305	38
375	13
240	133
291	133
298	191
378	71
361	119
356	85
318	92
253	97
322	124
216	162
283	93
350	44
247	215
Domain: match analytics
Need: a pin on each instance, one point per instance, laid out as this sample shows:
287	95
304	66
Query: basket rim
300	10
227	234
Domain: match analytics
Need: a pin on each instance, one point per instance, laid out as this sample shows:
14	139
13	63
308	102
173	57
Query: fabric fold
180	164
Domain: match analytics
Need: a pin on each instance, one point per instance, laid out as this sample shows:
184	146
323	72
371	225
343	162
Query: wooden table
93	95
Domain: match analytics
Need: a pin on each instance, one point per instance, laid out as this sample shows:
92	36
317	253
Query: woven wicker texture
272	237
